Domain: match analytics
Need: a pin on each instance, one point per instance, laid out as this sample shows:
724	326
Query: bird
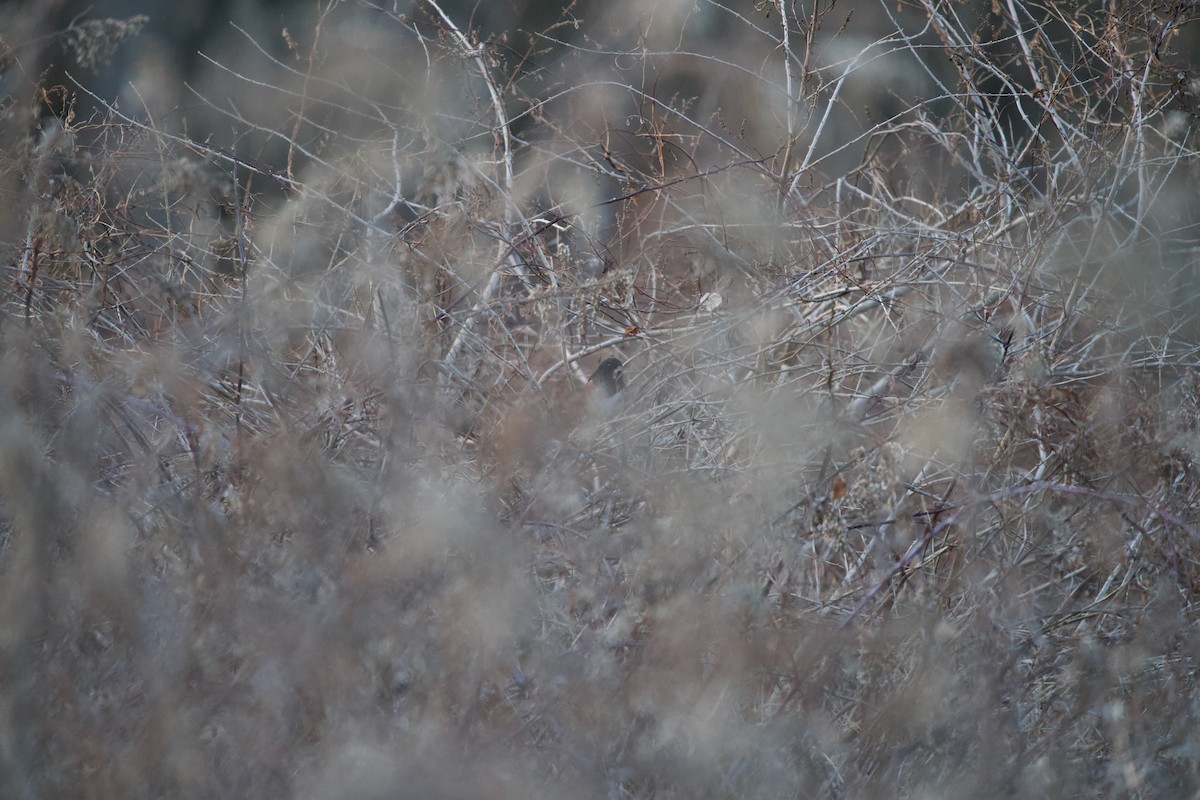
604	388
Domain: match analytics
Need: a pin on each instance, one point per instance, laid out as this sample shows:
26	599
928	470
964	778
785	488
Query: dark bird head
609	377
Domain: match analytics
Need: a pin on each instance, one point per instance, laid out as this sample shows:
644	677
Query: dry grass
297	499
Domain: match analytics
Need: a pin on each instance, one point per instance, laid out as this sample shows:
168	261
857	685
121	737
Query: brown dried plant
300	496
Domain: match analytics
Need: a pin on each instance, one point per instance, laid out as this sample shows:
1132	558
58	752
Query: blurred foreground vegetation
298	496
